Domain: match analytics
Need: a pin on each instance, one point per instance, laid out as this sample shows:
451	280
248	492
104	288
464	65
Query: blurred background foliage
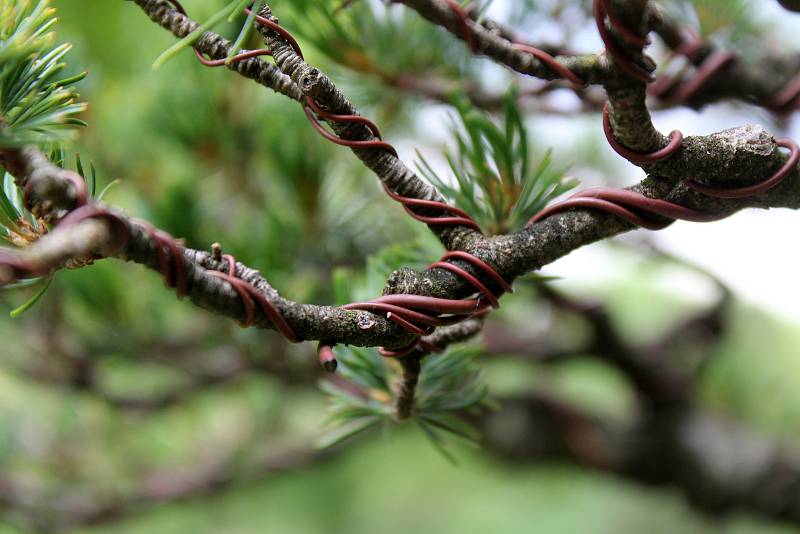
209	156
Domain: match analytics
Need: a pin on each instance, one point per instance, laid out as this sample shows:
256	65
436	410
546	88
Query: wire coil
602	10
629	205
547	59
419	315
170	252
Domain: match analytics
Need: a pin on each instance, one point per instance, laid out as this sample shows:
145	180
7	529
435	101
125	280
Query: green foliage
728	21
495	178
369	39
36	104
229	12
20	228
450	383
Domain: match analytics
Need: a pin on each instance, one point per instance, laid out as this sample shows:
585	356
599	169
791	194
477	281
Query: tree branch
488	41
217	47
718	465
756	81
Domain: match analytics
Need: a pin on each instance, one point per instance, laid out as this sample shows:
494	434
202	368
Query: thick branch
739	156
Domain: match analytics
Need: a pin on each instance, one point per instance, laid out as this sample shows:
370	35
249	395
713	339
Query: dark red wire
419	315
675	142
788	98
761	187
711	67
463	18
539	54
170	257
249	293
622	202
785	101
602	10
170	253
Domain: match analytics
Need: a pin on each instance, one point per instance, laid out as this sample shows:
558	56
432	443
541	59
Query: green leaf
491	166
436	439
455	425
33	300
230	9
347	430
106	188
246	29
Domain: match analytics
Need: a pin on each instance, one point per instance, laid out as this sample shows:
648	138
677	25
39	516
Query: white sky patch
755	252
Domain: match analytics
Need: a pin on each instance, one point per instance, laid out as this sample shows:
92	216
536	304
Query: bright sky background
755	251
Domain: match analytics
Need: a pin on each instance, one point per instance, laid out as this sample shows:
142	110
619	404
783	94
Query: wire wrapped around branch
170	253
631	206
541	55
249	293
709	68
602	10
639	158
419	315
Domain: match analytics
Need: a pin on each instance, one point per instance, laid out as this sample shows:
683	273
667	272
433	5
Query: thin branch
487	40
217	47
387	166
411	363
756	81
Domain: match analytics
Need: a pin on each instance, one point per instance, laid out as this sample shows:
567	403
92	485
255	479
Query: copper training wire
170	253
170	257
675	141
785	101
602	10
249	293
708	70
551	62
463	18
622	202
458	216
788	98
761	187
419	315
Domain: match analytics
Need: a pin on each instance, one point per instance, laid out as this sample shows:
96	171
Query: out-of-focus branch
651	369
75	369
487	38
717	464
42	514
757	81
